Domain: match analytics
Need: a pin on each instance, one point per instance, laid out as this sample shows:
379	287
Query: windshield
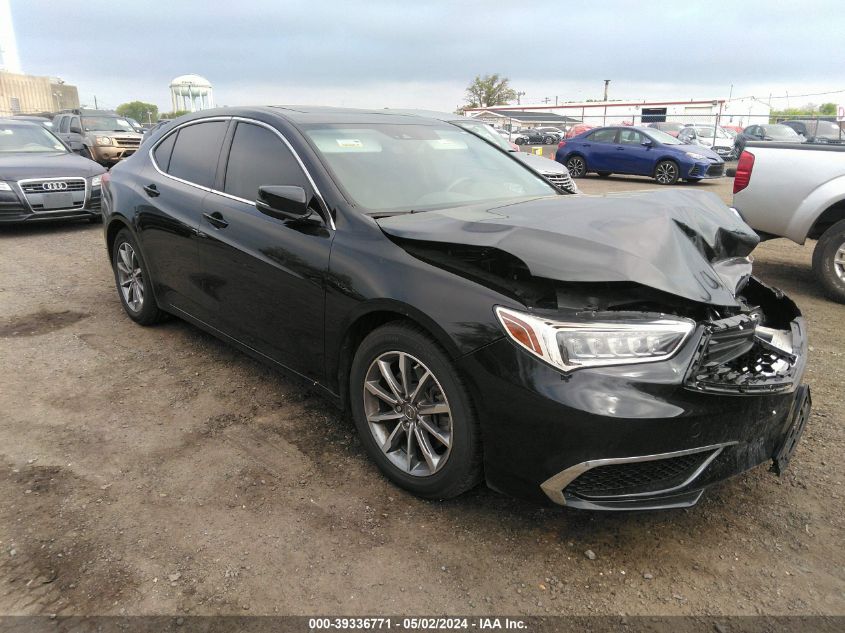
401	168
486	132
662	137
106	124
28	138
675	127
783	132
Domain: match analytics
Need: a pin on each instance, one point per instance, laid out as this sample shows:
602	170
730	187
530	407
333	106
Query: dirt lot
159	471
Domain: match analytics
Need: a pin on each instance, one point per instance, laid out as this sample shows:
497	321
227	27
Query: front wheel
519	141
414	414
577	166
666	172
829	261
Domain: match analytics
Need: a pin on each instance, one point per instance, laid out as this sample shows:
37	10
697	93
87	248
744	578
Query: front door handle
152	191
216	219
620	149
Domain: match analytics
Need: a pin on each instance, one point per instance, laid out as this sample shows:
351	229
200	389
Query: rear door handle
152	191
216	219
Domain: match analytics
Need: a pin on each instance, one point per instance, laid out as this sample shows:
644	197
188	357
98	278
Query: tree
173	115
827	109
138	110
489	90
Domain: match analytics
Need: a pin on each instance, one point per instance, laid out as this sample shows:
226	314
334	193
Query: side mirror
75	129
283	202
647	143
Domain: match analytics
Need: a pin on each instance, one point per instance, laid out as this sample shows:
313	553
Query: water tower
191	93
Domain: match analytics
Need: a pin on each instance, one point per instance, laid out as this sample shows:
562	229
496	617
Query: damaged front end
672	366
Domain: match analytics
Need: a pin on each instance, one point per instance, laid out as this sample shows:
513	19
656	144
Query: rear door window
603	136
195	153
259	157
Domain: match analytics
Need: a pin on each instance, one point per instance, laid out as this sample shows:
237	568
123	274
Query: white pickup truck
797	192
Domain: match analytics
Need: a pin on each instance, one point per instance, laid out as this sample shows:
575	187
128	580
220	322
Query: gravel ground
158	471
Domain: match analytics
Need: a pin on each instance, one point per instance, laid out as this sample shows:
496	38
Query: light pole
58	101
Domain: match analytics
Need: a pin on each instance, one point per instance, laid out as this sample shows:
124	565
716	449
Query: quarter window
194	156
258	157
163	151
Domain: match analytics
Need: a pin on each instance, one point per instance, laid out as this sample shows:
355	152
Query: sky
423	54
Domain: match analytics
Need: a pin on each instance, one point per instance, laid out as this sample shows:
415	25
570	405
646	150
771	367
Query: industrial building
30	94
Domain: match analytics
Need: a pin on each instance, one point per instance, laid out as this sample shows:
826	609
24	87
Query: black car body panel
301	294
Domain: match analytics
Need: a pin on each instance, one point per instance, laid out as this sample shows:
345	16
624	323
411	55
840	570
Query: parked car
579	128
534	136
474	319
775	133
102	136
699	134
670	127
159	124
41	179
817	130
797	192
733	130
639	152
554	132
40	120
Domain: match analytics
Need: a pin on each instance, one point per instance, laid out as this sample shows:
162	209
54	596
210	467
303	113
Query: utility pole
546	99
519	95
95	103
606	84
604	118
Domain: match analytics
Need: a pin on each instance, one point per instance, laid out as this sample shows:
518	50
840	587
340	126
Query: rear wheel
577	166
829	261
133	282
519	141
549	140
666	172
414	414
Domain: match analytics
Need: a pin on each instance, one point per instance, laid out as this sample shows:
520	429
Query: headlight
696	156
4	186
103	140
96	181
569	345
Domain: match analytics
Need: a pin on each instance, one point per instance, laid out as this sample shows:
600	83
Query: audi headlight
96	181
103	140
4	186
696	156
570	345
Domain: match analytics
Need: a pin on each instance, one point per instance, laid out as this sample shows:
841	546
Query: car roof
21	122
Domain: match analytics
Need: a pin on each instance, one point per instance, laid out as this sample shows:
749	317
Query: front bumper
110	154
16	207
627	437
705	169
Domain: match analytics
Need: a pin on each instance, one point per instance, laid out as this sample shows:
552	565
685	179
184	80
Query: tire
519	141
136	294
454	468
666	172
86	153
577	166
549	140
829	261
604	174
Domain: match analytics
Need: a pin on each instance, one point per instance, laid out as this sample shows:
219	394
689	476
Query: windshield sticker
447	143
349	142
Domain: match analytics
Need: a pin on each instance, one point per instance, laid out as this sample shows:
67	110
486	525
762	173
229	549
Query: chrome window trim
22	193
553	486
228	195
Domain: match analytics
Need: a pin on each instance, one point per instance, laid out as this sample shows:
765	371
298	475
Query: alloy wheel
130	277
576	166
839	262
408	413
666	173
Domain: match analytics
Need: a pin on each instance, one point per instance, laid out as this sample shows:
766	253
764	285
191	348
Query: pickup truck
797	192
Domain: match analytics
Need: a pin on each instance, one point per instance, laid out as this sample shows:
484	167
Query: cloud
339	51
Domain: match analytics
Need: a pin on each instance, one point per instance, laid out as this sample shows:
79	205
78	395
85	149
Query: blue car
638	152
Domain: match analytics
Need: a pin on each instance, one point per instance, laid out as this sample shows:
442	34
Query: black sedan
41	179
534	136
774	132
479	324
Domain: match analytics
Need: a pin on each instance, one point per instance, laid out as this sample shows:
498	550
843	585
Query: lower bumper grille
561	181
640	477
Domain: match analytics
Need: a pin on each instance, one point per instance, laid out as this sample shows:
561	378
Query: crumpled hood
669	240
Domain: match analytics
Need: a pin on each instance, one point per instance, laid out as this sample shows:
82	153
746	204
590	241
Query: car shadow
53	227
